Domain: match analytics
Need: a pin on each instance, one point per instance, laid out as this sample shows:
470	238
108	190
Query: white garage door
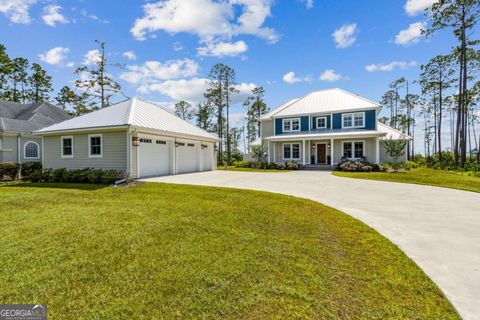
154	156
207	154
187	156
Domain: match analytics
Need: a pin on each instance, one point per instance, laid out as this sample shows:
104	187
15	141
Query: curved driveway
438	228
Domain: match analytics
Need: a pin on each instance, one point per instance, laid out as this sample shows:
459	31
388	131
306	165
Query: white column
377	150
268	152
332	152
274	152
303	152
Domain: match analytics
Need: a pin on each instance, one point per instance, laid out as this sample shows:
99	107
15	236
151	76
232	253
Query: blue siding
279	127
370	120
314	121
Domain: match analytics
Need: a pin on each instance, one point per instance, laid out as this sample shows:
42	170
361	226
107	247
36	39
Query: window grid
96	146
67	147
31	150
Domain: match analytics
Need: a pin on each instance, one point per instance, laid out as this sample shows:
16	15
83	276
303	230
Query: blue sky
290	47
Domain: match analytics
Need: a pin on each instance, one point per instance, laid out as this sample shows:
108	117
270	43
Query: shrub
242	164
357	166
9	170
292	165
27	168
281	166
78	176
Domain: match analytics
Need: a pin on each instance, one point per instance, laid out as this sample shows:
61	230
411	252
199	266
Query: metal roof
132	112
323	101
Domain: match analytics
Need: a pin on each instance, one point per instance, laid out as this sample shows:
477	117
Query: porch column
274	152
332	153
377	150
303	152
268	152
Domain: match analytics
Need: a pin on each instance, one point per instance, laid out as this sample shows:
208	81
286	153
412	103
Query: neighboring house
326	127
18	121
135	137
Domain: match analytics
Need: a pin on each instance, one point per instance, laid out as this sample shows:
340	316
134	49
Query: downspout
19	158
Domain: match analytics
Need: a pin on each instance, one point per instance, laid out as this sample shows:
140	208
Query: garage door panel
207	156
154	156
187	156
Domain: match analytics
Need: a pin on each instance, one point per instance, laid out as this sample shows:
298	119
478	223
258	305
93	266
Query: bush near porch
292	165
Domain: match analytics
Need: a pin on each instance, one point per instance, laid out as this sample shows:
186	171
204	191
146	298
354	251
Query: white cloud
415	7
177	46
192	90
55	55
130	55
291	77
152	71
17	10
52	16
71	64
92	57
223	49
218	19
345	36
309	4
390	66
411	35
330	75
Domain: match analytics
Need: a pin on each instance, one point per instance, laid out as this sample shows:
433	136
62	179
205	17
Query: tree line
449	89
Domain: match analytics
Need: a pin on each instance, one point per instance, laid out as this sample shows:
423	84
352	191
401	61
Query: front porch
324	152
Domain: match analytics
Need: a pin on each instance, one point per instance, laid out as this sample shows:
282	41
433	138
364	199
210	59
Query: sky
290	47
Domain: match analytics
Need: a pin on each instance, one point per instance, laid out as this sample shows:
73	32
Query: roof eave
87	129
346	135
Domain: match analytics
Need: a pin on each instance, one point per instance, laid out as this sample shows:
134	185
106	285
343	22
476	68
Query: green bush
9	170
27	168
242	164
281	166
292	165
358	166
87	175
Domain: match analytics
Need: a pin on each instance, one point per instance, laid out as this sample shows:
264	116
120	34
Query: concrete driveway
438	228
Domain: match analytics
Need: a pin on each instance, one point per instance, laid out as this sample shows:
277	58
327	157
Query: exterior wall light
135	141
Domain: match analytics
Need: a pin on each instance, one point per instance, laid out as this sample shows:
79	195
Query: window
67	147
321	122
161	142
353	150
358	149
143	140
290	125
353	120
95	145
190	145
291	151
181	144
31	150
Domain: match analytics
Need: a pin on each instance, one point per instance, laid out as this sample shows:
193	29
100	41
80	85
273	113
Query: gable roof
328	100
391	133
132	112
18	117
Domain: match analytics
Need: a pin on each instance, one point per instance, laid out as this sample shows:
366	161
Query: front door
322	153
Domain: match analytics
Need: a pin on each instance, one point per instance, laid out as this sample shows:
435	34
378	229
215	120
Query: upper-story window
353	120
290	125
321	122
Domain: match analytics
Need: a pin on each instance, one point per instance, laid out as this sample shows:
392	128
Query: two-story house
325	127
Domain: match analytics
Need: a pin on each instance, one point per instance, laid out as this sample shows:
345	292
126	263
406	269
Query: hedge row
87	175
262	165
11	170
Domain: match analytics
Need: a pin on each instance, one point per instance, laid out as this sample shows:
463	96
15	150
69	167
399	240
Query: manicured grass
431	177
182	252
231	168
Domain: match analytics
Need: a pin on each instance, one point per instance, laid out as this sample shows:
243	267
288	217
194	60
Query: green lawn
431	177
182	252
232	168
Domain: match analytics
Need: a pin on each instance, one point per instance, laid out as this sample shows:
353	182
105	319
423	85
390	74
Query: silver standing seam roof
135	113
322	101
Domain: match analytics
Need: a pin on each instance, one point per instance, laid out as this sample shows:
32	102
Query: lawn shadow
54	185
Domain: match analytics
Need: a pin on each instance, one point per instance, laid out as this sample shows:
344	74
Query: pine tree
41	84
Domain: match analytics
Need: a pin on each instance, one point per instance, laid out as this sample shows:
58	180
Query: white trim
332	153
129	153
291	124
25	150
353	126
61	147
352	142
377	150
274	151
90	136
291	151
316	123
316	152
19	156
303	151
43	154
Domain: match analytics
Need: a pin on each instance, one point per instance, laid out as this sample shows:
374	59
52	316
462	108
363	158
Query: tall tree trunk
229	151
439	132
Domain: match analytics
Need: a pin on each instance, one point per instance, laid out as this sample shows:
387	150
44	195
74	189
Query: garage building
136	137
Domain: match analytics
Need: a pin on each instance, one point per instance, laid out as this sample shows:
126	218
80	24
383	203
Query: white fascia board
366	134
324	112
174	134
82	130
